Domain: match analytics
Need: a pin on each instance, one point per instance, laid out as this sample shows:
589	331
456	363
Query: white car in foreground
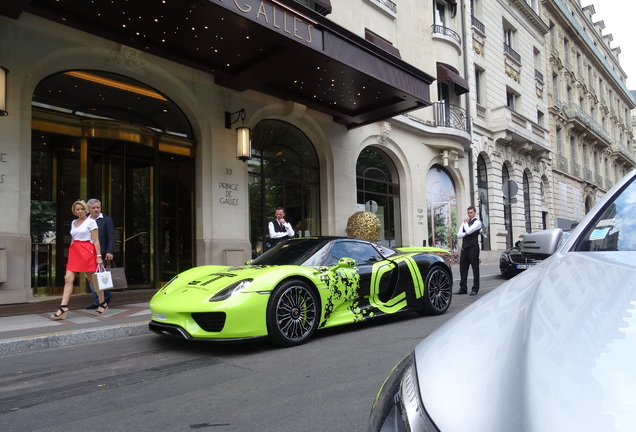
553	349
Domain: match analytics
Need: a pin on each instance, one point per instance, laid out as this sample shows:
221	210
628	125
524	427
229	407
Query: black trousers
469	257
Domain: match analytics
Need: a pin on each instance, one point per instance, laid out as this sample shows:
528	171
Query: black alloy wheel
439	291
292	313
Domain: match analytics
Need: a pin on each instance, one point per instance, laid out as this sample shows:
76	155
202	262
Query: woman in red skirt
83	256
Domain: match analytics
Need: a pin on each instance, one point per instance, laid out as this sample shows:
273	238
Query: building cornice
531	15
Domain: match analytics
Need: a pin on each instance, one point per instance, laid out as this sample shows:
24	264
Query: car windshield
615	228
292	252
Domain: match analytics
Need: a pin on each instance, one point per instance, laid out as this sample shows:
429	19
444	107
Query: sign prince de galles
277	18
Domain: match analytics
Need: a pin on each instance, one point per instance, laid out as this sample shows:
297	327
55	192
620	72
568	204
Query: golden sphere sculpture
364	225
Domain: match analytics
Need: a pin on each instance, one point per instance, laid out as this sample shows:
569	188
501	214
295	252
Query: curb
72	337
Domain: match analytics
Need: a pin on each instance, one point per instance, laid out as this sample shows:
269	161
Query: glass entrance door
138	215
101	135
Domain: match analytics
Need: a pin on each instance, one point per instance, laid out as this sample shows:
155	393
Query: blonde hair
79	201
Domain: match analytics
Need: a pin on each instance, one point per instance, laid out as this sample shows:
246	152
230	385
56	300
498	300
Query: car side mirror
541	244
345	263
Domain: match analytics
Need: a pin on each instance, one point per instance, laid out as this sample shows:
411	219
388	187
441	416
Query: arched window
101	135
526	202
441	206
379	192
482	193
283	172
505	176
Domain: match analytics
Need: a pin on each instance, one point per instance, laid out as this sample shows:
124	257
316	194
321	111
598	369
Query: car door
377	277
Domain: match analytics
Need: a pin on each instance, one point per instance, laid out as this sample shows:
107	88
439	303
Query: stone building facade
590	110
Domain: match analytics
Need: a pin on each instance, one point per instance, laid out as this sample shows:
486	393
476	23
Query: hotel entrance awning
276	47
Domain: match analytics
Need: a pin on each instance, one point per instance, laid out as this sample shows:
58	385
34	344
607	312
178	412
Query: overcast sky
620	18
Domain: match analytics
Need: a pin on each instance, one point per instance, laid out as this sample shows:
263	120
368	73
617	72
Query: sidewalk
26	327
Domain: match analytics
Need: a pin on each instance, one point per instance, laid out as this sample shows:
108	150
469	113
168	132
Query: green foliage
42	220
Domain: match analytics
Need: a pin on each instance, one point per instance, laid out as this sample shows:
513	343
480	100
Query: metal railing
440	29
451	116
623	150
478	24
576	169
512	53
562	163
575	111
598	179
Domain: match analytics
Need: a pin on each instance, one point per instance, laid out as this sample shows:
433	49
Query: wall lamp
243	140
3	91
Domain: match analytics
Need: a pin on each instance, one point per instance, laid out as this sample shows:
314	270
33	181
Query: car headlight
229	291
398	406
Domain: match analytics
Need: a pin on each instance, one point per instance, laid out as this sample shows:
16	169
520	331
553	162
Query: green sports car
300	286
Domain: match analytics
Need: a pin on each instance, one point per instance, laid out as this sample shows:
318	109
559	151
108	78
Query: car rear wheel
439	290
292	313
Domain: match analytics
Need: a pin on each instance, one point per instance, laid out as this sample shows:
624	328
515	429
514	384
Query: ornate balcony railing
451	116
512	53
587	174
608	184
478	24
575	111
623	150
576	169
598	179
562	163
440	29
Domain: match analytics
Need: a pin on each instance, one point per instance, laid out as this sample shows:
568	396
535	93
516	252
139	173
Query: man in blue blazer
106	233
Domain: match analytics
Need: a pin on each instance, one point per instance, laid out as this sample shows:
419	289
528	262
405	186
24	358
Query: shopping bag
102	278
118	275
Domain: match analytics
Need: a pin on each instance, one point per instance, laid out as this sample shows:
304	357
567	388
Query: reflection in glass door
378	191
120	175
138	216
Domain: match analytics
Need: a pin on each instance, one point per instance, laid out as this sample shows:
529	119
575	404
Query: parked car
300	286
512	261
550	350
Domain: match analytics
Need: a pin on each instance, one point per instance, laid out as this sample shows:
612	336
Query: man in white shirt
469	257
279	229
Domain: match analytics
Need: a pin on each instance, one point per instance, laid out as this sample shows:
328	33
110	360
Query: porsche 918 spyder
299	286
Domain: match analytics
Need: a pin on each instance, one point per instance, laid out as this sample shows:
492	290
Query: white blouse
83	232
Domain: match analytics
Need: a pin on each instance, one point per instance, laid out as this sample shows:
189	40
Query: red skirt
82	257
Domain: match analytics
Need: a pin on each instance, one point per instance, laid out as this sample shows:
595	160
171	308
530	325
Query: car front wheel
292	313
439	290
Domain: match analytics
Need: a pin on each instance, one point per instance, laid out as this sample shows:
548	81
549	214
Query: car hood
553	349
204	281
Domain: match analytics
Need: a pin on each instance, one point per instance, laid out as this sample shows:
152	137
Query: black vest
278	227
471	240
